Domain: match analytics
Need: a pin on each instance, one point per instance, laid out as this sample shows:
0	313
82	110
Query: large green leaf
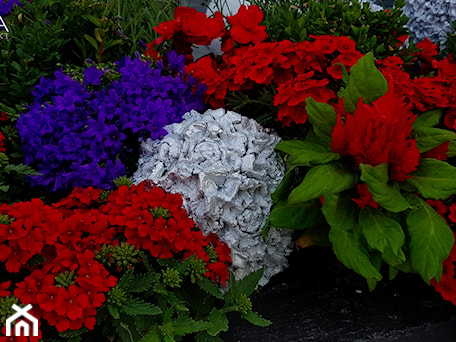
345	237
431	239
304	153
333	177
297	216
427	119
322	117
284	188
383	234
386	195
365	81
434	179
428	137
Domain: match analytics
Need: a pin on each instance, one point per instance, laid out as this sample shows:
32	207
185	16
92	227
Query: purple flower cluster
81	134
7	5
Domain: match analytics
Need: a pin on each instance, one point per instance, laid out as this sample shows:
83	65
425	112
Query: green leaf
209	287
434	179
345	237
322	117
427	119
246	285
184	326
304	153
431	239
152	336
205	337
383	234
387	196
283	189
428	137
333	177
92	41
136	306
256	319
218	321
114	311
365	81
143	282
452	149
298	216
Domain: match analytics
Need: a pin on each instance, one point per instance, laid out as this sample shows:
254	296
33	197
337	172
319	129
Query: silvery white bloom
372	5
430	19
225	167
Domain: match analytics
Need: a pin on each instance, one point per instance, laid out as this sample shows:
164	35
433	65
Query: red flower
439	152
4	289
379	133
365	197
2	143
245	25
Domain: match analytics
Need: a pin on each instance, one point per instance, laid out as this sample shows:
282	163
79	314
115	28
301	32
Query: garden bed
305	304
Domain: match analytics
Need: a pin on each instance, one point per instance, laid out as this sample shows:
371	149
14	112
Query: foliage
128	263
370	176
376	31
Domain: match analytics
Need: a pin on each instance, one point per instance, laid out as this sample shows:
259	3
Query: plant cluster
85	130
127	261
297	21
368	166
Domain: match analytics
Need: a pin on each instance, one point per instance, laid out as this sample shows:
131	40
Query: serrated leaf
256	319
431	239
434	179
298	216
388	196
304	153
383	234
365	82
205	337
136	306
322	117
143	282
246	285
208	286
184	326
428	137
218	321
333	177
428	119
152	336
114	311
126	282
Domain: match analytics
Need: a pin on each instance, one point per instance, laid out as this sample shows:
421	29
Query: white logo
22	326
3	27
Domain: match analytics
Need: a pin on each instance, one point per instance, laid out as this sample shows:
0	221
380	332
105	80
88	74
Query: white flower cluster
430	19
225	167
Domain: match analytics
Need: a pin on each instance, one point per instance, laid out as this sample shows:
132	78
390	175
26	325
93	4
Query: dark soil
317	299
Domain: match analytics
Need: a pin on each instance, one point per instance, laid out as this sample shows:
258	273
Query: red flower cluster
299	70
447	284
188	27
379	133
245	25
2	143
70	284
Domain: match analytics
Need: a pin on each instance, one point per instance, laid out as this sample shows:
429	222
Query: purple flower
93	75
75	135
7	5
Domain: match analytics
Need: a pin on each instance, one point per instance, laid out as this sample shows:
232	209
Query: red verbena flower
245	25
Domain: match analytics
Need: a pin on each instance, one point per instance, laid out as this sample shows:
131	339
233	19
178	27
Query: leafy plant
379	32
364	172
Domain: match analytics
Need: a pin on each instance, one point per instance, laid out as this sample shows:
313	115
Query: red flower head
379	133
245	25
2	143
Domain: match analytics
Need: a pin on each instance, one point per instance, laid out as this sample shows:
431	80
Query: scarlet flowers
379	133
